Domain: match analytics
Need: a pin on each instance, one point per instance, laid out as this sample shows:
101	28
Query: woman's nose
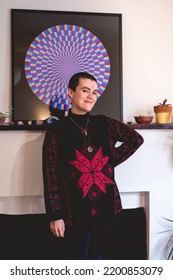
90	94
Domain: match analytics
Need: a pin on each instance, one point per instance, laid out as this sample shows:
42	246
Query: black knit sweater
78	169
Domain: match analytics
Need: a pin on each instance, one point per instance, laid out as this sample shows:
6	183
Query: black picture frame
27	24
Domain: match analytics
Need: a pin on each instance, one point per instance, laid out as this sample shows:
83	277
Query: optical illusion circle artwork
59	52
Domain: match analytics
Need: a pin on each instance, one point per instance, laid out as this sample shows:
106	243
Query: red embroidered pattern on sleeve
129	138
51	171
117	201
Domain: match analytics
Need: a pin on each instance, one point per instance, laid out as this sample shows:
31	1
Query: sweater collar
80	119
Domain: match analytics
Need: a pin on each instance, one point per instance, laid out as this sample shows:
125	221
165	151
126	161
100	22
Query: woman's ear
70	92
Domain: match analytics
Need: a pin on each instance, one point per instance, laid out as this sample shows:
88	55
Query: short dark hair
74	80
56	112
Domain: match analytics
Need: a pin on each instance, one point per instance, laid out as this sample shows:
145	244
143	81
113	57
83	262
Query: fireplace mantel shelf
151	126
44	126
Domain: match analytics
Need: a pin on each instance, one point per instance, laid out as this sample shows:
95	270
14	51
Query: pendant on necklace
84	132
90	149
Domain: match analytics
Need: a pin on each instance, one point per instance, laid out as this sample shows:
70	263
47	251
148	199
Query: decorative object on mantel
4	116
163	112
20	123
39	122
143	119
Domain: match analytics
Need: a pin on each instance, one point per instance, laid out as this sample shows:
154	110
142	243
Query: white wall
147	80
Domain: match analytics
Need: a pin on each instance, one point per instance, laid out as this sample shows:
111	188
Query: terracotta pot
159	108
163	114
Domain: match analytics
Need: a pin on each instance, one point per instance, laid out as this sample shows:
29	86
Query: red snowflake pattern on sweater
92	171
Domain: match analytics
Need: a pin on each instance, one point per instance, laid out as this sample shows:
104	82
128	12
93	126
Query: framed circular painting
48	47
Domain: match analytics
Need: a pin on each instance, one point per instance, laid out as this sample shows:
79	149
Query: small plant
163	112
3	116
164	103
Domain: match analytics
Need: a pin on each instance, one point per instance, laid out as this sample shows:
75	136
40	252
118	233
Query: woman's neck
77	113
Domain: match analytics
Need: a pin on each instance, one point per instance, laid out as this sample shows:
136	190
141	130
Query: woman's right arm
51	175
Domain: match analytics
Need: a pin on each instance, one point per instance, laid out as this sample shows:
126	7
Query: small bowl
143	119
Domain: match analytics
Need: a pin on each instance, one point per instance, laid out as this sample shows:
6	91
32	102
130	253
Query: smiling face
84	97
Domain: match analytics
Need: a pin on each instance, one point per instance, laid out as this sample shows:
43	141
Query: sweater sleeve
51	180
130	140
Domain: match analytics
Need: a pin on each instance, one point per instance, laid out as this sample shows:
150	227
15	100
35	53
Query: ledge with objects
45	126
23	127
151	125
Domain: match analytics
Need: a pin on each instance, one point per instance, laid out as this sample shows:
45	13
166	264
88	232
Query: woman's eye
95	92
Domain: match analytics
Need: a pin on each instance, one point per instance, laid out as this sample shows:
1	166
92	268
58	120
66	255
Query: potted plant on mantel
4	116
163	112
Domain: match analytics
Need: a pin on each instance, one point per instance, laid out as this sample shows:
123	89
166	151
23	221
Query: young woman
79	157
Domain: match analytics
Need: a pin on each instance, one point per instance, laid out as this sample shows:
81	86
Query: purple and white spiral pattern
59	52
